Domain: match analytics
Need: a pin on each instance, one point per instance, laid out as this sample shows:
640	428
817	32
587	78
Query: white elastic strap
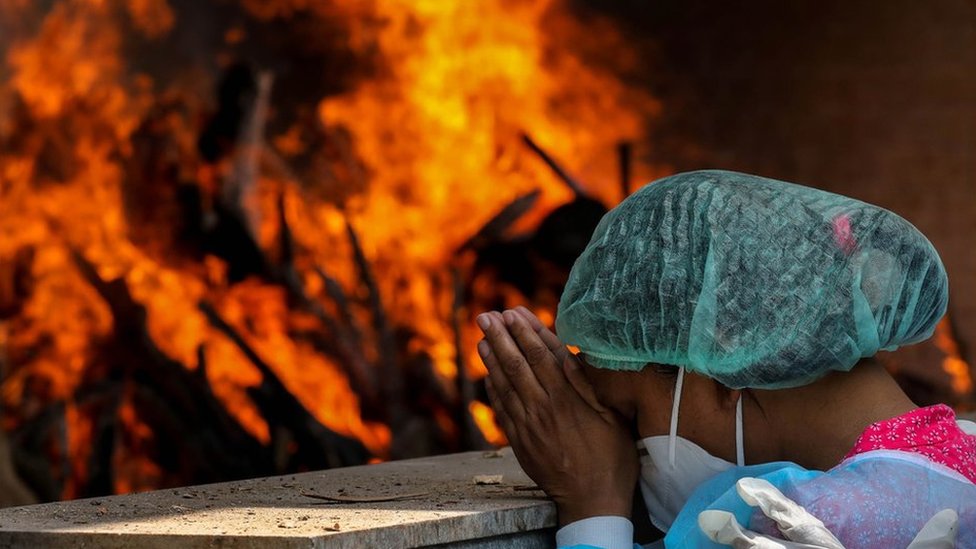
740	450
673	434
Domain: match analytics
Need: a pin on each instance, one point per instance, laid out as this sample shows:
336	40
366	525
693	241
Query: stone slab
450	510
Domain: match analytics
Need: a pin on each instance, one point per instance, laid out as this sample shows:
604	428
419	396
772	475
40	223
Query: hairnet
751	281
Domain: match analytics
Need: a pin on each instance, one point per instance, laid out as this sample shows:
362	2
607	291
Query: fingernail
483	349
484	321
509	317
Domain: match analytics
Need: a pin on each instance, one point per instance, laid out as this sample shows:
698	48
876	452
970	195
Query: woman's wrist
587	507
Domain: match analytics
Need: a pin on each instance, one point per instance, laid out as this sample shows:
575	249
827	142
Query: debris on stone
483	480
422	497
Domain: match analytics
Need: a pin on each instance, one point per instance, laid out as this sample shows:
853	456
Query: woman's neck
817	425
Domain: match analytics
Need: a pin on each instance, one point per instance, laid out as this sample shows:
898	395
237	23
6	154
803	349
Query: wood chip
364	499
333	528
482	480
492	454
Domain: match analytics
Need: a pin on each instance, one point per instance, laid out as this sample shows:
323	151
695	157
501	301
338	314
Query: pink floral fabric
931	432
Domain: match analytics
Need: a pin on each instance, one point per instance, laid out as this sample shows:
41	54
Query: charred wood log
470	435
244	99
236	133
564	233
14	492
624	161
32	445
556	168
105	431
498	225
15	283
239	190
318	446
338	296
226	449
346	343
236	92
392	386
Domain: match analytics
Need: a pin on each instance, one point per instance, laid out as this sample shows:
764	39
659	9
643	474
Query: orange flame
484	418
441	135
953	363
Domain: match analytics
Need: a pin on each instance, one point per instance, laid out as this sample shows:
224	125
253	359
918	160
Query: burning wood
554	166
317	446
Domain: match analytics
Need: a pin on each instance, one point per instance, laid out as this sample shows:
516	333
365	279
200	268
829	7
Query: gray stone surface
273	512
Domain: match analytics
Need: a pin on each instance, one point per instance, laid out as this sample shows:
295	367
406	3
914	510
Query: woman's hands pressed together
578	451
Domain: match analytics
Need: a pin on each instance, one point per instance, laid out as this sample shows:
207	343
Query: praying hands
577	450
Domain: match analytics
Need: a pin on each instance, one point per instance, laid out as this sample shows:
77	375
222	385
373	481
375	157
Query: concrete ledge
444	507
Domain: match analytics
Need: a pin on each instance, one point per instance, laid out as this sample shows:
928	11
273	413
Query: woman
730	320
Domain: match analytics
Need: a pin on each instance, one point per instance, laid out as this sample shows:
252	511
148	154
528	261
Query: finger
939	532
551	340
795	522
574	373
497	316
722	527
510	363
534	321
501	416
542	361
506	398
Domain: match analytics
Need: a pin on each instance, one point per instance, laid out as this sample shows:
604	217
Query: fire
484	417
441	132
96	152
953	363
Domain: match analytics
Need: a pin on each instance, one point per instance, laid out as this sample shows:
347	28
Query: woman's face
706	416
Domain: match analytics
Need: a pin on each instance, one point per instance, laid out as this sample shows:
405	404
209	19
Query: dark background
875	100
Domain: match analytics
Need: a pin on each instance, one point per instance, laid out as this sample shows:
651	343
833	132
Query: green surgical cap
750	281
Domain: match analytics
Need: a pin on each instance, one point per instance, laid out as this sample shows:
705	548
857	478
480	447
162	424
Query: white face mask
672	467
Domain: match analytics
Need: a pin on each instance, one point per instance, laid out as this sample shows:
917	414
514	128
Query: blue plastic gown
876	500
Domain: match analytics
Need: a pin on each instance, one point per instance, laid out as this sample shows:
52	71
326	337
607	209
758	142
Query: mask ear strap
740	450
673	433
